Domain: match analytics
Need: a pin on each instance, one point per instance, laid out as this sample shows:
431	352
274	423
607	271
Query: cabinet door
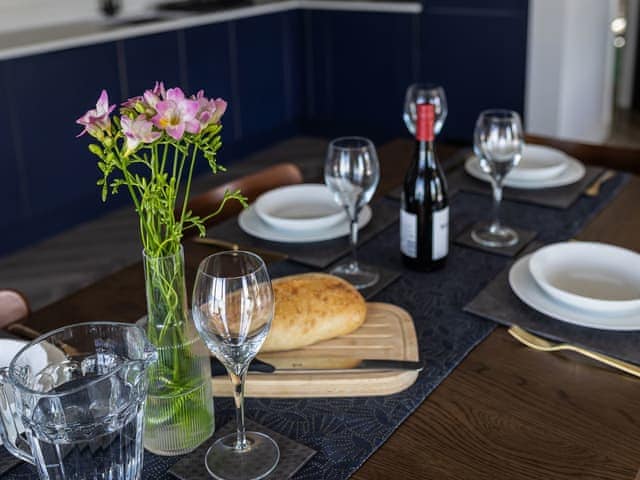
262	91
208	68
361	64
51	91
478	53
13	205
154	58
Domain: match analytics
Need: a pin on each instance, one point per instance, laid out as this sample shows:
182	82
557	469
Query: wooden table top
507	412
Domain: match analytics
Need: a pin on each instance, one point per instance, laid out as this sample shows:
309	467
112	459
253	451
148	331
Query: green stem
187	190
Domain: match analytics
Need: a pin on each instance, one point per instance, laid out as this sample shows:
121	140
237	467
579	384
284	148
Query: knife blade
270	364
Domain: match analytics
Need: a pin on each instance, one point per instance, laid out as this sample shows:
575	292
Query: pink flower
97	121
138	131
209	111
152	97
176	114
221	107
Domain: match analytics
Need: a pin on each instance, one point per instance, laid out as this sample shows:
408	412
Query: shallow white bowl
591	276
539	163
252	224
573	173
526	289
299	207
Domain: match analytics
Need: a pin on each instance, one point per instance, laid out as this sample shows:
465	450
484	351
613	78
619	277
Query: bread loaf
312	307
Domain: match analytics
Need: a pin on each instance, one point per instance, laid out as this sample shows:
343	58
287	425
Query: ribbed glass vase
179	411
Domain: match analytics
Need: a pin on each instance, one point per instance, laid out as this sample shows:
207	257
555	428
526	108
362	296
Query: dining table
505	412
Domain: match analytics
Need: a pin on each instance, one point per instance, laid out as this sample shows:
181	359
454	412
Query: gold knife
544	345
216	242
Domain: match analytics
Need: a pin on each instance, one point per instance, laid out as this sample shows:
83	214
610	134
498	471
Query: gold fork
594	188
538	343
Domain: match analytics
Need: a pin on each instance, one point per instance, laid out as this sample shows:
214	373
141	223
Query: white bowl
591	276
539	163
299	207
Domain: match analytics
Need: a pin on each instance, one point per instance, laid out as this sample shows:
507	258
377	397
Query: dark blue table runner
346	431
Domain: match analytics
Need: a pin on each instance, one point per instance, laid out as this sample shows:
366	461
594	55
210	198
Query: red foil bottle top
424	125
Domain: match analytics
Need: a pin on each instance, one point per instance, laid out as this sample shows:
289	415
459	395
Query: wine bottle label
408	233
440	236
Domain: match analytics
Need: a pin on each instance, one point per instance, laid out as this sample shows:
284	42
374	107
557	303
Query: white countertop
42	39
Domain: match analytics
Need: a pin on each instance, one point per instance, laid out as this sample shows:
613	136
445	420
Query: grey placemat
293	455
316	254
558	197
498	303
524	238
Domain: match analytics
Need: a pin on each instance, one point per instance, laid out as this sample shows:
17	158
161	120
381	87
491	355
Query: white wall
628	66
569	87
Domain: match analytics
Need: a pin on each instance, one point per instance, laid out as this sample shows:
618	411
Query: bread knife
272	363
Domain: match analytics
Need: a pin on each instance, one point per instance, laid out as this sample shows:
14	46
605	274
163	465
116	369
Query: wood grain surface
388	333
507	412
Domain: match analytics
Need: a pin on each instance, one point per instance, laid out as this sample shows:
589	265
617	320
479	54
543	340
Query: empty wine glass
425	93
497	142
352	173
233	307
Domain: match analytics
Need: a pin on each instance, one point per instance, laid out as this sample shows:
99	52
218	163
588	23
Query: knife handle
217	369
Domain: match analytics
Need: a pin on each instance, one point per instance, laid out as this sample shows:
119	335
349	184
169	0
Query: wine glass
497	142
425	93
233	307
352	173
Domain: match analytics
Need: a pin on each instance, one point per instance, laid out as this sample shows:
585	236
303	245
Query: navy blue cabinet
50	92
12	194
477	51
208	64
153	58
361	64
262	92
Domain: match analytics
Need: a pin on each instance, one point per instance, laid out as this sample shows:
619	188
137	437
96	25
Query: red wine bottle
424	214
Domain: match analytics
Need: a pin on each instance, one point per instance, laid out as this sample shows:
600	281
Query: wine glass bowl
425	93
352	173
233	306
498	141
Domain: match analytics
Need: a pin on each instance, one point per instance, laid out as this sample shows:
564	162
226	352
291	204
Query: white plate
37	361
591	276
299	207
526	288
253	225
573	173
538	163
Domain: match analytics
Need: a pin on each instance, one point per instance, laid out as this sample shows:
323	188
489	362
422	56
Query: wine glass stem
353	239
238	398
497	199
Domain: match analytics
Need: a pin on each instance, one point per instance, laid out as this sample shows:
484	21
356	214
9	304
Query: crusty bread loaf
312	307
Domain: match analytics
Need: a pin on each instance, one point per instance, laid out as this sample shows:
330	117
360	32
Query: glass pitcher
78	395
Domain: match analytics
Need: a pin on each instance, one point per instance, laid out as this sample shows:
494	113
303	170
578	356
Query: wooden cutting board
388	333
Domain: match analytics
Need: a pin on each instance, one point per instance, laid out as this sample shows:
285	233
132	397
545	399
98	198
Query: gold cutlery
216	242
544	345
594	188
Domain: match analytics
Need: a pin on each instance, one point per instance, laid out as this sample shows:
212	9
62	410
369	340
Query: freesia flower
137	131
152	97
209	110
221	107
176	114
96	121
